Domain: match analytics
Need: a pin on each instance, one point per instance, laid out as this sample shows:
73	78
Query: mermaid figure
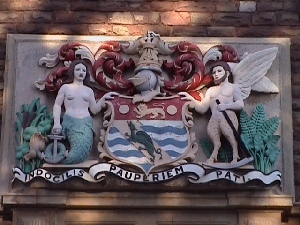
79	133
78	99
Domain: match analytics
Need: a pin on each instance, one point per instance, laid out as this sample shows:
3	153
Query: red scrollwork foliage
67	51
110	67
186	47
229	54
56	79
187	70
110	46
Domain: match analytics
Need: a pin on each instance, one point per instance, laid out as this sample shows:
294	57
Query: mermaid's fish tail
79	133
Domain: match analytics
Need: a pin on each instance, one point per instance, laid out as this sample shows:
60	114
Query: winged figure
249	72
225	97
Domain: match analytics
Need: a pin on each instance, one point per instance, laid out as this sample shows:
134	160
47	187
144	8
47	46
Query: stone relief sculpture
33	124
77	124
225	96
248	74
37	144
150	90
257	133
249	71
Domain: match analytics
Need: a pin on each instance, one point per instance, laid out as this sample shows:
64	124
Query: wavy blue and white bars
171	136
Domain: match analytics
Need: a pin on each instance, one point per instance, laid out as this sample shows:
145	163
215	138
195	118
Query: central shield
148	135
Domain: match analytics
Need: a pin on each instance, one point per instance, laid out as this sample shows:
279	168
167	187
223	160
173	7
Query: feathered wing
249	73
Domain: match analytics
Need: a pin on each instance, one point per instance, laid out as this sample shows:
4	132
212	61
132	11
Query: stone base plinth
151	208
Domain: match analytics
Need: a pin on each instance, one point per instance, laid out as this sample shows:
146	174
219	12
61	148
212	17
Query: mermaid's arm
57	110
96	107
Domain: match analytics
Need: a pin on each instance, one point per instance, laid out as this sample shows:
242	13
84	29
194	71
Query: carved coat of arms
150	92
149	135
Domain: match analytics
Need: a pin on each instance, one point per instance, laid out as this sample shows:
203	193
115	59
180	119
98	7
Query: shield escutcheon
149	135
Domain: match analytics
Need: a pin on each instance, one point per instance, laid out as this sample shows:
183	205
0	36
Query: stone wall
216	18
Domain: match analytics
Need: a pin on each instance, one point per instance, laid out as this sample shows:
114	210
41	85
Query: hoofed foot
211	160
234	160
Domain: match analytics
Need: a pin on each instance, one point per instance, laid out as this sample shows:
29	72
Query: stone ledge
296	209
174	200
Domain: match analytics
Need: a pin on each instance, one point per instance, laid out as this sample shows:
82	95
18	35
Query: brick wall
203	18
